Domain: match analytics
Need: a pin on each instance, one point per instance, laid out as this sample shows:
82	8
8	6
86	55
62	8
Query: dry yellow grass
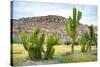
20	55
60	49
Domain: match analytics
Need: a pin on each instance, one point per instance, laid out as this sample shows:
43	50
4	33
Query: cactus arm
33	44
52	40
24	40
74	15
79	16
69	27
52	52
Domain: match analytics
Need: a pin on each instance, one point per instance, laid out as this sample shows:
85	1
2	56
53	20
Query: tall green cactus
71	25
95	39
88	39
34	43
92	36
24	40
85	42
52	40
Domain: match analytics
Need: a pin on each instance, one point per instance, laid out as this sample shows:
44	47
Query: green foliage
71	25
76	43
34	43
52	40
67	42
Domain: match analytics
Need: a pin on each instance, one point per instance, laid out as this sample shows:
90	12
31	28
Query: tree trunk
72	47
89	47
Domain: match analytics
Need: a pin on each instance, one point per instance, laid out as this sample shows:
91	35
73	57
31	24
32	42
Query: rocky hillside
50	23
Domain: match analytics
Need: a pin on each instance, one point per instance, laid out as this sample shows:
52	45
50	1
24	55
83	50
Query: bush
67	43
76	43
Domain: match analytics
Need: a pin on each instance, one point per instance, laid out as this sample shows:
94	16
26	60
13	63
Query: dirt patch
42	62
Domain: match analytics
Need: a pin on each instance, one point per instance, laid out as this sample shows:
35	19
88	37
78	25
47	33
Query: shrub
67	43
76	43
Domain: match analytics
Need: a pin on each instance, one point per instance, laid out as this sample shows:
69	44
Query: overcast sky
30	9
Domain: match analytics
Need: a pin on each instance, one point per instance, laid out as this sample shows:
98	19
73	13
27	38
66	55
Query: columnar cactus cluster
88	39
85	42
34	44
52	40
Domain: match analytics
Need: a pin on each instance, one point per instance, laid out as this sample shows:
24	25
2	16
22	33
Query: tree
71	25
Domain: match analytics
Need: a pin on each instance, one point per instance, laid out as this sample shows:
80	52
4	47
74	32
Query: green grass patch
80	57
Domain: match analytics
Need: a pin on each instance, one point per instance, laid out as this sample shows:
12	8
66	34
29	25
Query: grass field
62	54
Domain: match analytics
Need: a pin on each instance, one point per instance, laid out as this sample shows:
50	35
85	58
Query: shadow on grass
79	57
